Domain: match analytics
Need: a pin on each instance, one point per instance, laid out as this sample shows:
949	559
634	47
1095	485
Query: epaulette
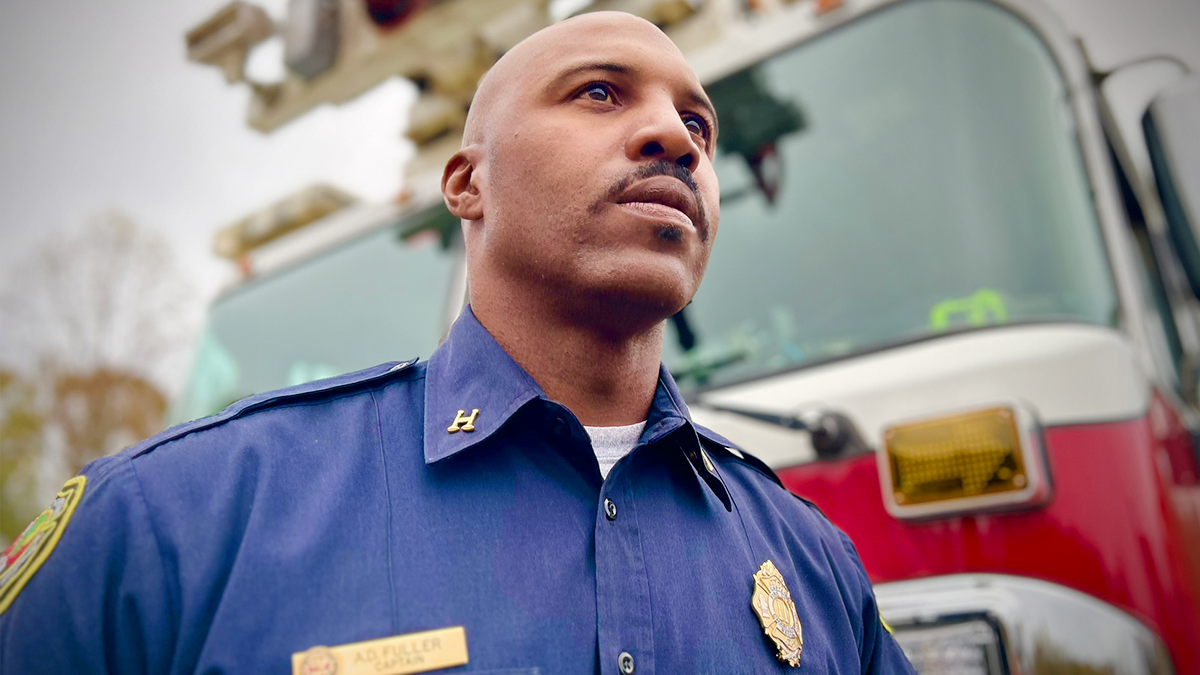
255	402
718	442
758	464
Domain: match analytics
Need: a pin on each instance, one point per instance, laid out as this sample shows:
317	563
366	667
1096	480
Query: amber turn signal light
975	460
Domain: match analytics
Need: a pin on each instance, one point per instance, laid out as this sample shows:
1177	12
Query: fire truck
947	305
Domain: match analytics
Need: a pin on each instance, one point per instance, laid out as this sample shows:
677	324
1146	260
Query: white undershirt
612	443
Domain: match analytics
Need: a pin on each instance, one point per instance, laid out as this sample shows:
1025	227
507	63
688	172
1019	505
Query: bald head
535	56
585	177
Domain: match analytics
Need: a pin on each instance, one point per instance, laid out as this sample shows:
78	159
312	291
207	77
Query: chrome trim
1045	627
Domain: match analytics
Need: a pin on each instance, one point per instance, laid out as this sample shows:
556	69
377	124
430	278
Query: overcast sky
100	110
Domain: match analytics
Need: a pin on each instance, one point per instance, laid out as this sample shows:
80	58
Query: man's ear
459	187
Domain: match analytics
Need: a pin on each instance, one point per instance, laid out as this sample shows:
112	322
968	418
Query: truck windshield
920	174
381	297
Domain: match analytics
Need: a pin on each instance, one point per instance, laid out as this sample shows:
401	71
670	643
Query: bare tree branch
92	328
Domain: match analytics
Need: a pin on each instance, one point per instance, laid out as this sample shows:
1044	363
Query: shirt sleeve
880	654
99	601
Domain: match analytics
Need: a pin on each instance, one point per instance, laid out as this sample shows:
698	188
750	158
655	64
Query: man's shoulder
794	523
754	475
750	469
268	444
262	417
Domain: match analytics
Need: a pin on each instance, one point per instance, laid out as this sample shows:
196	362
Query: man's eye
696	125
598	91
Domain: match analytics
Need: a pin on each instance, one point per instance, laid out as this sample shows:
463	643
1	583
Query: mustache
659	167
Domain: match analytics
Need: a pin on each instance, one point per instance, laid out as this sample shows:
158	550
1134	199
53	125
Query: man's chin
635	303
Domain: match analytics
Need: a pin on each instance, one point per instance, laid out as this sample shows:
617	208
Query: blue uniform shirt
344	510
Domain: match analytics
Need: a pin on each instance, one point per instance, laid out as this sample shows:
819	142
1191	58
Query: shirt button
610	509
625	663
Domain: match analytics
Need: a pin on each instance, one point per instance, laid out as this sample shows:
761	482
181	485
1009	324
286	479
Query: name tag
399	655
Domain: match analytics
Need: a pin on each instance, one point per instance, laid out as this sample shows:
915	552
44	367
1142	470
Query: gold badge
773	604
399	655
463	422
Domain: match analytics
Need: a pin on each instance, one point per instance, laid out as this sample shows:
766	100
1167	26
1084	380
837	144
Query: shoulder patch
27	553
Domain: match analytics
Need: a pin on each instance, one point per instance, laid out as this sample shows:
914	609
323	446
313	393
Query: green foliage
88	324
21	426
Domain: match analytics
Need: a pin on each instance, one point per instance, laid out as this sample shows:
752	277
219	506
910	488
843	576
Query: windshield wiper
832	434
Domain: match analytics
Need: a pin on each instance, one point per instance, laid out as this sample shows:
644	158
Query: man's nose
661	134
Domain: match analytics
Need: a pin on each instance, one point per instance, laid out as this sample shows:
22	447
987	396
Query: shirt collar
470	371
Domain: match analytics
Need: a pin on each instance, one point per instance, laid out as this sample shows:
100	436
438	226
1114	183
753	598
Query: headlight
997	624
965	646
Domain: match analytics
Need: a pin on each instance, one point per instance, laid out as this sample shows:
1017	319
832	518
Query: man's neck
604	379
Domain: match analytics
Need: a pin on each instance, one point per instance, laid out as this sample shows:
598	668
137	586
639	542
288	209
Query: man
533	499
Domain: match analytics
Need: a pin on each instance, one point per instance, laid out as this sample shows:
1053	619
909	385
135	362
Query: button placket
624	621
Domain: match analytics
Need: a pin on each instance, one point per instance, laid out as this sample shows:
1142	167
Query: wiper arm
786	421
832	433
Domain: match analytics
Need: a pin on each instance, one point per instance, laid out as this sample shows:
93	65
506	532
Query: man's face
597	180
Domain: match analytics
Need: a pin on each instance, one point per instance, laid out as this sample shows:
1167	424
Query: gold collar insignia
773	604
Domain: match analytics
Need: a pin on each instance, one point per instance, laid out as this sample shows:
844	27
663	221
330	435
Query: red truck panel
1123	524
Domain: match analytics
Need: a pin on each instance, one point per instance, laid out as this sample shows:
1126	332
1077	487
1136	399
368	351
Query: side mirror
1172	129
